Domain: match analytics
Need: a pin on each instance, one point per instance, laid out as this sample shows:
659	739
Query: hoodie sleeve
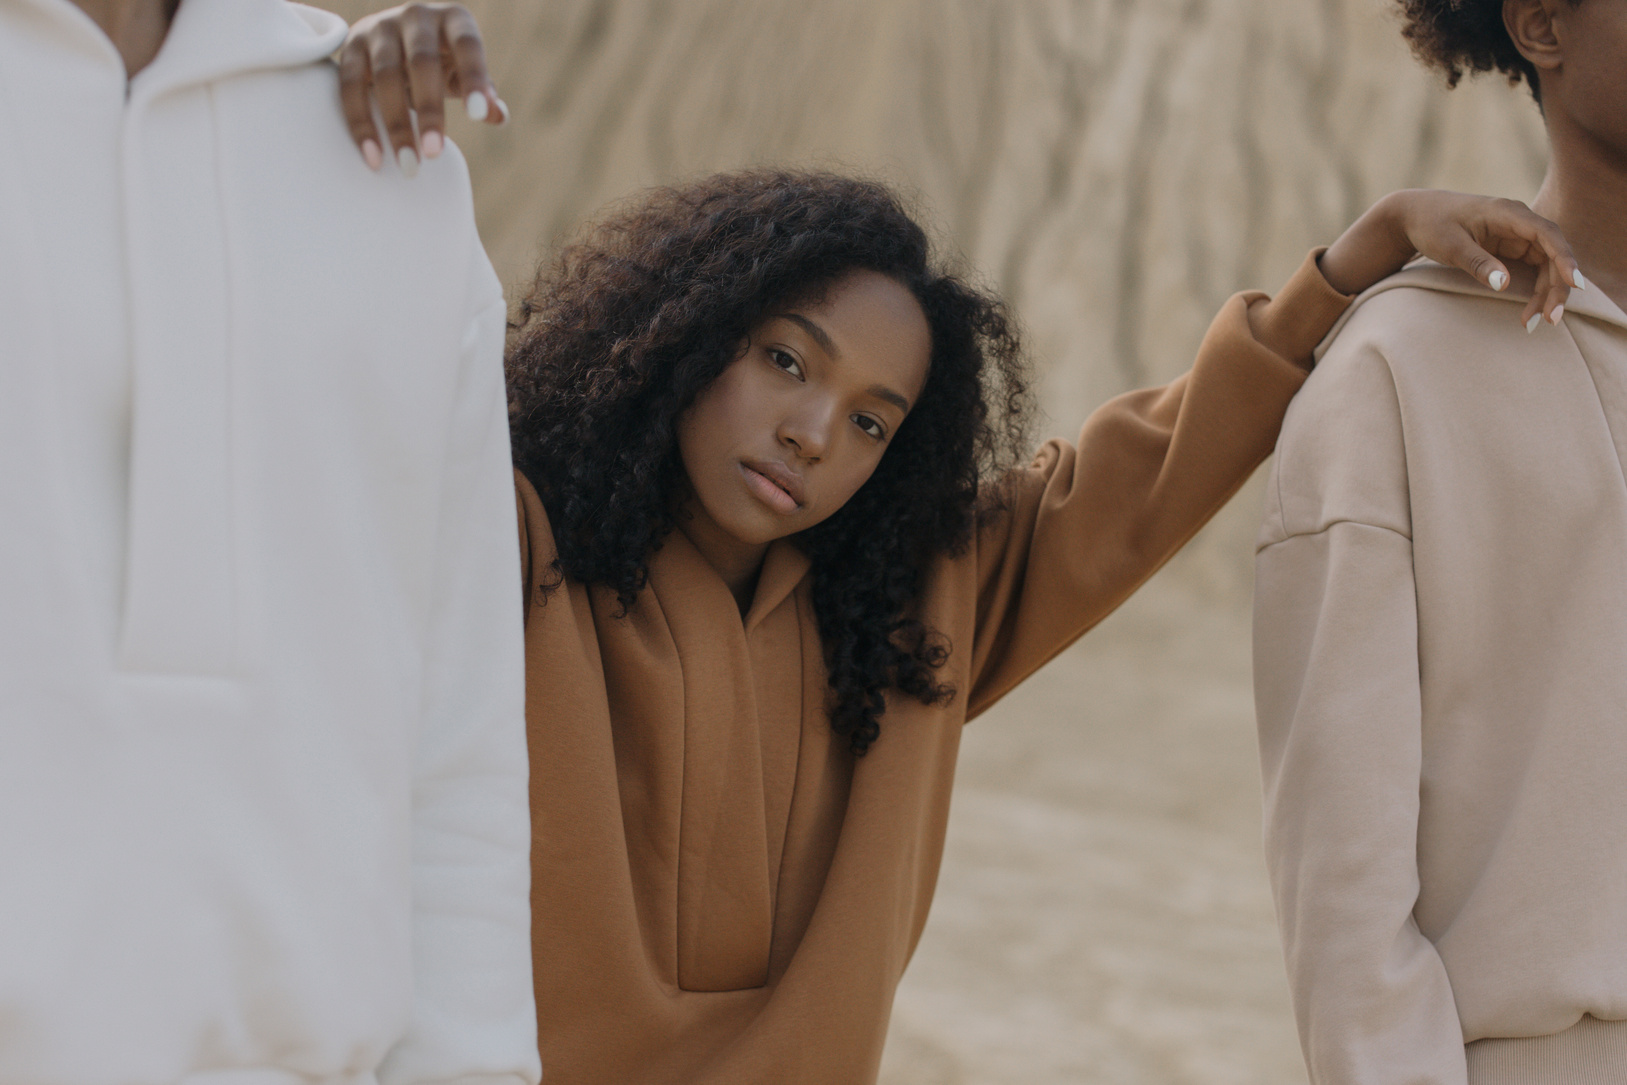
1337	691
473	1013
1088	523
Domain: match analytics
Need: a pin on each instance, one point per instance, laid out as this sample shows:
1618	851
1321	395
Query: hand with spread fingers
1473	233
408	60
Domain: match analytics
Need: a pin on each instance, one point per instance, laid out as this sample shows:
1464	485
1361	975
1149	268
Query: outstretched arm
1090	522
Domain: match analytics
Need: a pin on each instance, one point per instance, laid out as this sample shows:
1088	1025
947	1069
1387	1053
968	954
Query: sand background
1117	168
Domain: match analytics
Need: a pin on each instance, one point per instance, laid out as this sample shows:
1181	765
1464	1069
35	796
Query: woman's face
796	424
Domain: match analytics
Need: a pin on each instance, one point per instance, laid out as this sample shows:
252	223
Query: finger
426	82
355	79
466	55
485	105
1460	249
1556	269
1537	306
386	54
1551	239
1559	292
1546	240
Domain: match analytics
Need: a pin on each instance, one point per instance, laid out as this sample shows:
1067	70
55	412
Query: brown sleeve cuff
1303	312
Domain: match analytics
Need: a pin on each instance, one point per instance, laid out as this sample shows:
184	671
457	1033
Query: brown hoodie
722	894
1441	677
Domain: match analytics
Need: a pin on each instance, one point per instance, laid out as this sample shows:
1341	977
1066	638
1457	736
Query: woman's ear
1534	29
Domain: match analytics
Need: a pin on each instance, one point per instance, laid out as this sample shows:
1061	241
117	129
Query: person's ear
1534	30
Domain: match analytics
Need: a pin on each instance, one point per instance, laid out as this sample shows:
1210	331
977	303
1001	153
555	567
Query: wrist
1375	245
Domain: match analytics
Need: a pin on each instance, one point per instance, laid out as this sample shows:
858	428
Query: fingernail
372	154
1581	283
1531	325
1553	317
502	111
1498	279
476	105
431	143
407	159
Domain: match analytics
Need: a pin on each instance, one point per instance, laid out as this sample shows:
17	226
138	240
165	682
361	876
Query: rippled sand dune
1117	168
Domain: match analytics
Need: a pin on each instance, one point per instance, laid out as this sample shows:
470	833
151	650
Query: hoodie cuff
1302	313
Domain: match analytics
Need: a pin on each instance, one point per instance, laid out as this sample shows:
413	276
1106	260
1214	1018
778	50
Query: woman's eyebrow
881	391
816	332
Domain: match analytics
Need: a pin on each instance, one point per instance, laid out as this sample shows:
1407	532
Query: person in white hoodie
263	813
1441	629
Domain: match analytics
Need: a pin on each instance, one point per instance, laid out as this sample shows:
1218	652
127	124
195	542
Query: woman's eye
870	426
781	360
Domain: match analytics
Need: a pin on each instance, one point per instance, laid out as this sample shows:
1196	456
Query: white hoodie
263	810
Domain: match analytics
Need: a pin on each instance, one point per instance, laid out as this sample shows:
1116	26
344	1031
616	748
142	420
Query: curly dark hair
1458	36
625	327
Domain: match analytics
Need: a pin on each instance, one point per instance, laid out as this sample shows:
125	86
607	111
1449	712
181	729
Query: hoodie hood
176	123
1422	274
214	39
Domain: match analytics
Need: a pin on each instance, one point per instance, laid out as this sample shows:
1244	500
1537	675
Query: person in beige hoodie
1441	630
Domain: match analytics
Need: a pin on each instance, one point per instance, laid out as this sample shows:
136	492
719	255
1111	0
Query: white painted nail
1531	325
1581	283
372	154
1553	317
432	143
407	159
476	105
502	111
1498	279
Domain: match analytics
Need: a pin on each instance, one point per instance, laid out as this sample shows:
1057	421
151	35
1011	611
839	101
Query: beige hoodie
1441	678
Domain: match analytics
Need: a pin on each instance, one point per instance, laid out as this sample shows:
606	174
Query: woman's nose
808	432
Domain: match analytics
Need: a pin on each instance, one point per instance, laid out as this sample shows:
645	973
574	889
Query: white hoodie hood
262	802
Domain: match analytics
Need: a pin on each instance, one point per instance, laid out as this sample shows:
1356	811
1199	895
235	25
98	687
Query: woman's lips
775	485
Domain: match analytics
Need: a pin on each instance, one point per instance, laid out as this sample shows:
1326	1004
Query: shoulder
383	250
1418	342
1421	310
298	110
1410	336
1342	453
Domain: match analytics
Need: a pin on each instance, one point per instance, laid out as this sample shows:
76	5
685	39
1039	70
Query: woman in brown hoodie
781	541
776	554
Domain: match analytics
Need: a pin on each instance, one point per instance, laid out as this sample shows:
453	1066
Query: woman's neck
135	27
1585	192
738	563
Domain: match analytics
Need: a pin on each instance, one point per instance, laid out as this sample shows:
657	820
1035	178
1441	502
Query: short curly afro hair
1458	36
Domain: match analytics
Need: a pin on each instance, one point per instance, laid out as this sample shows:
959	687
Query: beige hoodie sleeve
1337	692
